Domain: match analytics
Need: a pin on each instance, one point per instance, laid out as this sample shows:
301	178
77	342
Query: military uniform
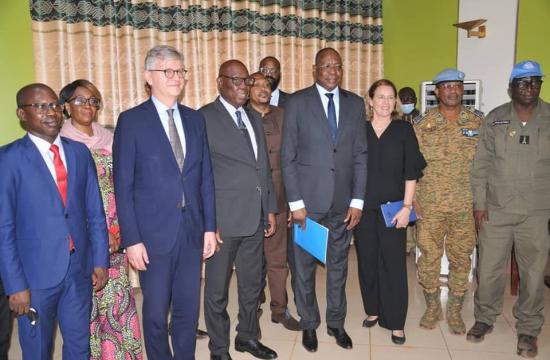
445	197
511	180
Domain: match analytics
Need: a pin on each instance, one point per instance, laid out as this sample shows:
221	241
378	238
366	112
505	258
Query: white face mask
407	108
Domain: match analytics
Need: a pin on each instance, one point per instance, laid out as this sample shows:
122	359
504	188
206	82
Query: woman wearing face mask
114	328
394	165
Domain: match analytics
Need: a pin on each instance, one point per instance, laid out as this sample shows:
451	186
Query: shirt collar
230	108
322	91
43	145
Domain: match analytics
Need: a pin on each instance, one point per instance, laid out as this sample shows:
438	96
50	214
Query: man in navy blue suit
164	191
53	234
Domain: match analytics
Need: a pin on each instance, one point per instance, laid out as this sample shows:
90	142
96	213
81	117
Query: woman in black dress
394	165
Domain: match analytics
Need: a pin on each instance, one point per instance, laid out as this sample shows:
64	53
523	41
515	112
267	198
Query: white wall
489	59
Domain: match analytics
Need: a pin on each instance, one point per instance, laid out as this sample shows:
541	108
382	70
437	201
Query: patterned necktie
174	138
175	143
244	130
61	180
331	114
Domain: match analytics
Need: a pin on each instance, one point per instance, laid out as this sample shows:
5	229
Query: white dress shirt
233	112
163	114
274	101
44	149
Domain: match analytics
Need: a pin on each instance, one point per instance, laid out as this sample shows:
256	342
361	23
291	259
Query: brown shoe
478	331
286	320
547	281
527	346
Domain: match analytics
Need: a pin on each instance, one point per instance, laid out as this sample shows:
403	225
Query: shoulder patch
479	113
501	122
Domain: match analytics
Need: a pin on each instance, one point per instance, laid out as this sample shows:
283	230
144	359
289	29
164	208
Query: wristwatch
408	206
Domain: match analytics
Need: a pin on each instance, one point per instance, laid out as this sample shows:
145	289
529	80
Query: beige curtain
106	42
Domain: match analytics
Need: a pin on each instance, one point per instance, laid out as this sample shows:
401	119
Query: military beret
526	69
448	75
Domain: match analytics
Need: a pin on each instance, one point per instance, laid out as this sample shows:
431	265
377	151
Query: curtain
105	41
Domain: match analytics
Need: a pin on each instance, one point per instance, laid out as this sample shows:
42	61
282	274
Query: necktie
175	143
61	180
331	114
174	137
244	130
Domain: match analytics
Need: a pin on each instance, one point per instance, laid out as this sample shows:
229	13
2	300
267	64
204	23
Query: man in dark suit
53	234
324	170
245	209
165	201
271	68
4	324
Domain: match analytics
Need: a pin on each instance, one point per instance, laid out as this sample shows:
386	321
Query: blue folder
313	239
389	210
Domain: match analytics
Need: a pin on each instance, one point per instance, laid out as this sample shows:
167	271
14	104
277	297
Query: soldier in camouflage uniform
447	136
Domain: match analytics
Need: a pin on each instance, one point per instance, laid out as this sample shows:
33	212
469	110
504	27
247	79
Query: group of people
175	187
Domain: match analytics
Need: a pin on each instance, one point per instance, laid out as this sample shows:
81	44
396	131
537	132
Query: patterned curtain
105	41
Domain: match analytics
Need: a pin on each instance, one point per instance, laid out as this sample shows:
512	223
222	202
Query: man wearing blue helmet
447	135
511	186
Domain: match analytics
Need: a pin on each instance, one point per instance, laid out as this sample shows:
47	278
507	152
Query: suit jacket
322	173
273	130
149	184
244	189
34	223
282	98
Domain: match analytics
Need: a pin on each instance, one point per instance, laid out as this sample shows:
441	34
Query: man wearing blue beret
447	135
511	186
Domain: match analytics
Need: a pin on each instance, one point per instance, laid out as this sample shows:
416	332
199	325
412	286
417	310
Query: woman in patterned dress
114	330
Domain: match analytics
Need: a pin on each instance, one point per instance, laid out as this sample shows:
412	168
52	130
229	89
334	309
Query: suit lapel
228	126
157	132
318	110
36	159
71	169
187	133
344	108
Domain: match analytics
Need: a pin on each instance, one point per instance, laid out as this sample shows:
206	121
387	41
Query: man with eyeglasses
164	191
447	136
53	234
271	68
245	212
511	185
324	164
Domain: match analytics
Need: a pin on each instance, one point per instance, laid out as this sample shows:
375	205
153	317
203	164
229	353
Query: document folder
389	210
313	239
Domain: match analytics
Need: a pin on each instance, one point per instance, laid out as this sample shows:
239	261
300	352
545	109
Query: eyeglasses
81	101
450	85
237	81
269	71
324	67
524	84
44	107
169	73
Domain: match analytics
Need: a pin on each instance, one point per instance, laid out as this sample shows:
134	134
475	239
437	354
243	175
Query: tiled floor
375	343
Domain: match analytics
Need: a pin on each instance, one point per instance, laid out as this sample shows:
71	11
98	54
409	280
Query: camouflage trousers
453	232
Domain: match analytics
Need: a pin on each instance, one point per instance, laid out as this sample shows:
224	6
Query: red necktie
61	180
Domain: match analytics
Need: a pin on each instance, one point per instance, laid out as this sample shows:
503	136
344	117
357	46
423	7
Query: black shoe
369	323
309	340
527	346
225	356
342	338
398	340
201	334
255	348
478	331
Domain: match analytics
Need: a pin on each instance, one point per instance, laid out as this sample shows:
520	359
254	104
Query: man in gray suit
245	211
324	163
